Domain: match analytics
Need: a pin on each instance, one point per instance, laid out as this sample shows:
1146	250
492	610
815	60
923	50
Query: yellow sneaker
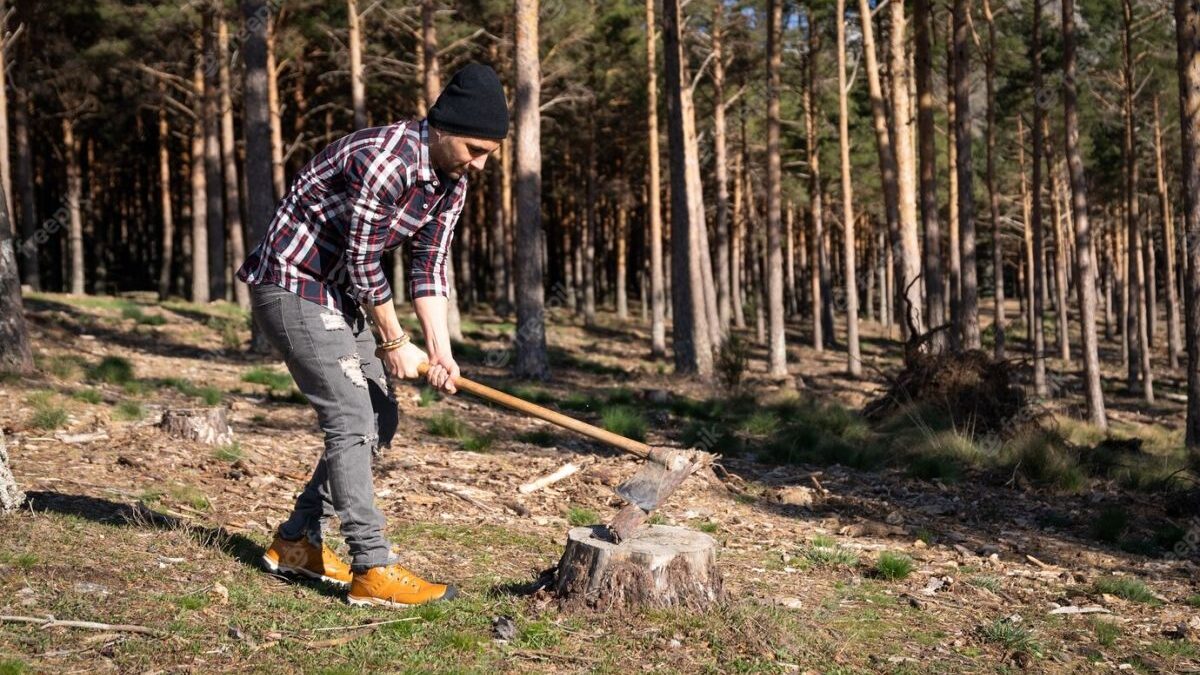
393	586
306	559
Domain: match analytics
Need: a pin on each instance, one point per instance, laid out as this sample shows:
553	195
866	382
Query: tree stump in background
11	496
205	425
661	566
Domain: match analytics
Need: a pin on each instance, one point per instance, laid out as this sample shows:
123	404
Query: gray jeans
332	359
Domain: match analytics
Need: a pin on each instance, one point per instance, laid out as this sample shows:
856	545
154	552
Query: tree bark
358	92
278	179
11	496
955	250
966	197
233	202
690	337
1174	344
902	114
213	175
853	352
30	265
530	340
1187	28
5	166
1057	216
1084	274
1038	328
199	240
164	198
927	157
15	353
777	347
74	207
658	331
999	320
819	279
1139	357
721	173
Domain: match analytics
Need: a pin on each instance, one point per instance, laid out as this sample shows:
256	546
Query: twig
86	625
461	493
565	471
366	625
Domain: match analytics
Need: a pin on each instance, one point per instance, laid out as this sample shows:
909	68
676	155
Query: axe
663	471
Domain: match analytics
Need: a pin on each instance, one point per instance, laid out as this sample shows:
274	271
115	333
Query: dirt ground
125	525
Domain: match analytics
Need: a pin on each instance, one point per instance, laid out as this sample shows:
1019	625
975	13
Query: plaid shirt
364	194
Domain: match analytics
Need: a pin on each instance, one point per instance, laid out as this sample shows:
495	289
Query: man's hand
403	362
442	373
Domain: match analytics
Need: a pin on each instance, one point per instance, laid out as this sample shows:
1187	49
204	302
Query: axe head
662	473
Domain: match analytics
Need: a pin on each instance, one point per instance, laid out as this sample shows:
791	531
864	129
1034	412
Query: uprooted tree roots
974	390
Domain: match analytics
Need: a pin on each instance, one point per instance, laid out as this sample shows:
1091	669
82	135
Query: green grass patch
1193	601
625	421
427	397
47	414
823	551
579	402
129	411
943	456
477	442
446	425
540	634
190	495
532	394
273	379
1129	588
92	396
987	581
24	561
231	452
64	367
209	395
1042	456
761	423
1106	631
578	516
893	566
13	667
139	316
113	370
1011	635
708	527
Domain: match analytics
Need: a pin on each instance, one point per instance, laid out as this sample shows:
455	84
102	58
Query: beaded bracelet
393	344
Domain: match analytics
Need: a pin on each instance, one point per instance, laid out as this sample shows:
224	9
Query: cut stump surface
205	425
660	566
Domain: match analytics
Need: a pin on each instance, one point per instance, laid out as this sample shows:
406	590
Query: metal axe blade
656	480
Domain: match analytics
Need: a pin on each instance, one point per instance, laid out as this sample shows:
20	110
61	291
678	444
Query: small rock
894	518
789	602
503	628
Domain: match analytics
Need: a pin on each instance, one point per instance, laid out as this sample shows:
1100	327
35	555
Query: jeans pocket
268	314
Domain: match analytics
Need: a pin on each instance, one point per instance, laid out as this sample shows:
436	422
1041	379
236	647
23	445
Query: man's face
453	155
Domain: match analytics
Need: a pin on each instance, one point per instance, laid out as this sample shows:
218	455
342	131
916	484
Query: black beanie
472	104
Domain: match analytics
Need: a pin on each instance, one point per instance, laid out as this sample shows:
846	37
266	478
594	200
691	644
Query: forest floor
970	562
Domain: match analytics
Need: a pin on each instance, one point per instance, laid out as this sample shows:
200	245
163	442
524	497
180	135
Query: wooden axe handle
520	405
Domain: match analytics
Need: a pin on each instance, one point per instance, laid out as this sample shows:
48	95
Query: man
317	281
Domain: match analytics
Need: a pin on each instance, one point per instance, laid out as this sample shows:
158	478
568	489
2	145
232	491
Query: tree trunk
1027	230
927	156
622	247
1187	28
256	127
660	567
777	347
358	91
902	114
690	337
5	167
587	239
721	171
1174	346
819	279
213	179
164	197
30	265
1057	216
883	140
11	496
209	426
199	240
15	354
955	250
853	353
531	320
736	249
999	321
233	202
1084	274
1038	328
1139	356
966	197
74	208
278	176
658	331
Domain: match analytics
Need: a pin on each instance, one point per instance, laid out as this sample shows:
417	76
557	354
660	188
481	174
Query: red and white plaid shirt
364	194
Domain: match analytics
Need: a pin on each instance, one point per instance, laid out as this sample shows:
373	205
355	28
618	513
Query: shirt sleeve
374	178
431	250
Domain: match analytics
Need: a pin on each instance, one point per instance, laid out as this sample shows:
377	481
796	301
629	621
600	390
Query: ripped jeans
332	359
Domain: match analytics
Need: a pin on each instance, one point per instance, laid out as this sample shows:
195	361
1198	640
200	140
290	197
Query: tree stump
205	425
11	496
660	566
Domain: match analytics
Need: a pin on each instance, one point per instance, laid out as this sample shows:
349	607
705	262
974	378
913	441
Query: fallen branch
565	471
373	624
85	625
82	438
460	492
